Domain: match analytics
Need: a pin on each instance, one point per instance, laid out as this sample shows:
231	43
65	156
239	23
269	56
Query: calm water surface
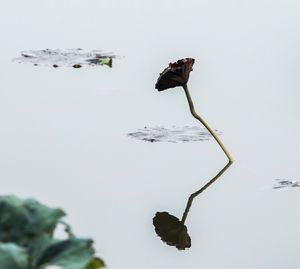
63	131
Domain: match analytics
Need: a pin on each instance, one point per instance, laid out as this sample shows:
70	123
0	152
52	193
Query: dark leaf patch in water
173	135
75	58
171	230
281	183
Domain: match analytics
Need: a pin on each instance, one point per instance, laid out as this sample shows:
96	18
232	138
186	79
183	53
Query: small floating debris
281	183
173	134
103	61
75	58
77	65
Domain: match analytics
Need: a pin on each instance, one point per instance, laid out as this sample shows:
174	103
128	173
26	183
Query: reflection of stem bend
195	115
193	195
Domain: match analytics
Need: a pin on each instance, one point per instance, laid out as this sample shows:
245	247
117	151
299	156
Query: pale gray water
63	131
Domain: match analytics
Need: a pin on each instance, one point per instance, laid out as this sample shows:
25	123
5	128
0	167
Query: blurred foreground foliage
27	238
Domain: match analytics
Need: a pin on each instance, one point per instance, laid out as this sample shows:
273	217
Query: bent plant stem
195	194
195	115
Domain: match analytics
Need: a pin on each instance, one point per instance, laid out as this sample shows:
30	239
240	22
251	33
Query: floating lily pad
173	134
75	58
281	183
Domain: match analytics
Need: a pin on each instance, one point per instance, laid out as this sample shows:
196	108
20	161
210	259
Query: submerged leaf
66	57
173	135
12	257
283	183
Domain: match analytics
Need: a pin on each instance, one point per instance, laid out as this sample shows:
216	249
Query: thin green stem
195	115
193	195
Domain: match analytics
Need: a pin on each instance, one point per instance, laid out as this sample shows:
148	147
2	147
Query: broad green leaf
23	220
37	249
12	257
28	226
73	253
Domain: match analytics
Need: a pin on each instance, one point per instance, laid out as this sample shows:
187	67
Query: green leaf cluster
27	238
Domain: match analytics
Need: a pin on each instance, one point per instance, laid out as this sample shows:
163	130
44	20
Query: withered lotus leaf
176	74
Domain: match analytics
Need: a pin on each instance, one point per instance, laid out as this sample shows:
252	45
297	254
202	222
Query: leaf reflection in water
173	231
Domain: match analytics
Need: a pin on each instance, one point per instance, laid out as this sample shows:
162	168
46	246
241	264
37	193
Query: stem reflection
195	194
173	231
